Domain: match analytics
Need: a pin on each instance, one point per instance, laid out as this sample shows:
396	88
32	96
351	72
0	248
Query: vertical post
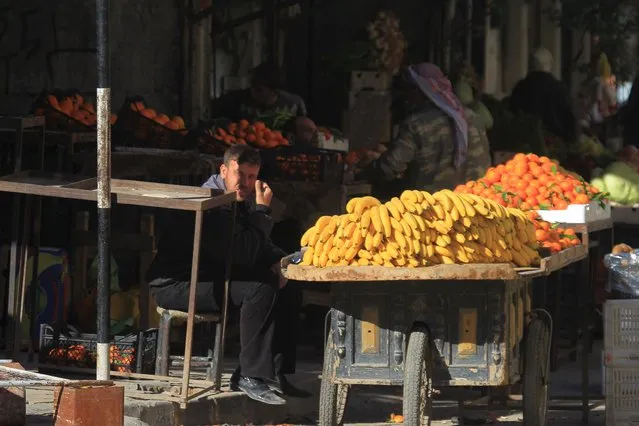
104	188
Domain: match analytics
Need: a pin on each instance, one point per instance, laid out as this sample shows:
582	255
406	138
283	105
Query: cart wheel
333	397
536	370
418	379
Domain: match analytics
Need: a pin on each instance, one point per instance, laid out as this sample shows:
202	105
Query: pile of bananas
419	229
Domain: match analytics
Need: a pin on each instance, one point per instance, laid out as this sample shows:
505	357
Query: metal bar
227	290
15	236
35	268
195	264
104	188
22	276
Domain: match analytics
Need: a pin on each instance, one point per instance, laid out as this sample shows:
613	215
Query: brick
89	406
13	406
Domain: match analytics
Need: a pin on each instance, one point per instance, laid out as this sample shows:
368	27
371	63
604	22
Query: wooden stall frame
143	194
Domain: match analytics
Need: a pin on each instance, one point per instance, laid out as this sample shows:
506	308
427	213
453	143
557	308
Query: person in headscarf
440	144
542	95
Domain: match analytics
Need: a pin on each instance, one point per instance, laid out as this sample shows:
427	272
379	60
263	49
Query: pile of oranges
243	132
531	182
174	123
551	237
75	107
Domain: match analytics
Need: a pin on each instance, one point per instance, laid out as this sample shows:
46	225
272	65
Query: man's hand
263	193
277	270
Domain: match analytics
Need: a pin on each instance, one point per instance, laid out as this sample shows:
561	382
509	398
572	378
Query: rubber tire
333	397
536	370
418	379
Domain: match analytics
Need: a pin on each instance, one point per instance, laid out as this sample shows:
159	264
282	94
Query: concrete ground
366	405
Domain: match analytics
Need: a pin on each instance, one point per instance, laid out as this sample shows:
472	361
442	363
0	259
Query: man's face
263	95
240	178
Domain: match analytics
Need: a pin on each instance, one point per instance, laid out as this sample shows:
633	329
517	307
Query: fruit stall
433	290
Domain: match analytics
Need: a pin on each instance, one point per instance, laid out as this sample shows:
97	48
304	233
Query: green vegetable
621	182
464	92
480	109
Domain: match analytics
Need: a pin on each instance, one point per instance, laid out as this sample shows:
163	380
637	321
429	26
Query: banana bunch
422	229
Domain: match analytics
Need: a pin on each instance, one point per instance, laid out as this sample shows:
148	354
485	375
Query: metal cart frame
448	325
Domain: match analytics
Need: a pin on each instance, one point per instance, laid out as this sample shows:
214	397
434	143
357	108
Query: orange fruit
114	118
148	113
162	119
582	199
171	125
53	101
179	121
66	106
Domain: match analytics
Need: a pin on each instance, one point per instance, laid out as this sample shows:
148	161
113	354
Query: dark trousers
268	320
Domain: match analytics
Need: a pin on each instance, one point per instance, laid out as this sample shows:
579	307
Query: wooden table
137	193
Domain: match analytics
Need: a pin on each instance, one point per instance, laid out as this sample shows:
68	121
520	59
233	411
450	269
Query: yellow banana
439	211
446	260
376	219
364	254
408	195
350	206
393	210
406	227
307	235
377	239
396	225
454	214
383	214
410	219
398	205
368	242
366	219
307	260
444	201
363	262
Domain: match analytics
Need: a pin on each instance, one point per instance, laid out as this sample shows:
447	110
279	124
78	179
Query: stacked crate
368	120
621	361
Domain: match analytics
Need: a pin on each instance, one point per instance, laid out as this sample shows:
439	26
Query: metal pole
103	98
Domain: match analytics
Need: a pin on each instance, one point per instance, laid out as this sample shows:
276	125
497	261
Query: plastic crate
621	333
577	213
303	164
79	350
622	396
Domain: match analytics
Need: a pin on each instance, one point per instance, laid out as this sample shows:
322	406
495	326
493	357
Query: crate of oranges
130	353
67	111
142	126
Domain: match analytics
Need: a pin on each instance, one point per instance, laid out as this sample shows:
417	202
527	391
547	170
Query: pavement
366	405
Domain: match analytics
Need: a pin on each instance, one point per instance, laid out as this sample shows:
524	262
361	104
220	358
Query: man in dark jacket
255	274
540	94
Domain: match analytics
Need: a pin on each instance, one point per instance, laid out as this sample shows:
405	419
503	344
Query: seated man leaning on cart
440	144
267	325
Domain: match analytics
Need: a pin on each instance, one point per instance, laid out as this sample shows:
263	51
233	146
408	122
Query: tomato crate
303	164
79	350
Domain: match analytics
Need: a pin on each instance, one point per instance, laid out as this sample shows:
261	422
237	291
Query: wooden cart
421	328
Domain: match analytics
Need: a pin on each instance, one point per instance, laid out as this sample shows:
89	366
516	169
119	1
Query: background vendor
440	144
542	95
266	95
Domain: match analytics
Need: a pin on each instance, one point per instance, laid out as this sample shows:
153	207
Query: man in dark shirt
255	273
263	97
540	94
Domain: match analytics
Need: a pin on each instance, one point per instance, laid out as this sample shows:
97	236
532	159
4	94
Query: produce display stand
467	325
598	236
144	194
